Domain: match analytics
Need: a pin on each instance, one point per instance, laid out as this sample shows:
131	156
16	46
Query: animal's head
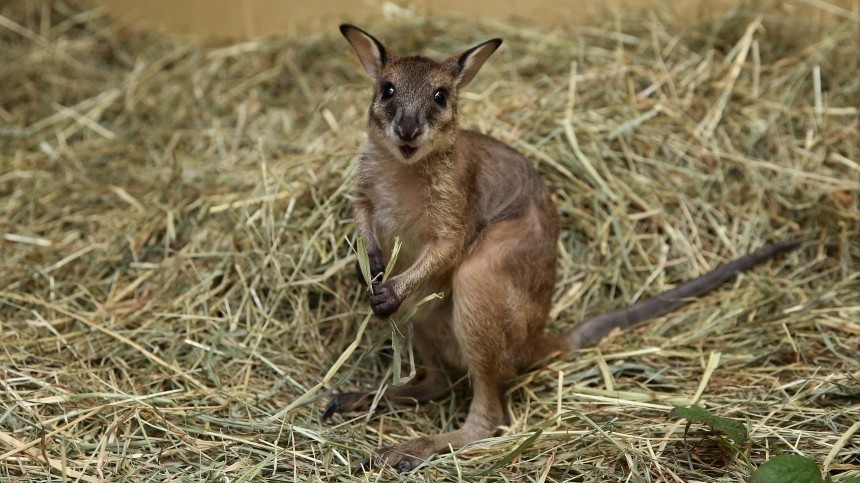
414	106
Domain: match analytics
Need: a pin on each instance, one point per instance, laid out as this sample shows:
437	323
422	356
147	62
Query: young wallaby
477	223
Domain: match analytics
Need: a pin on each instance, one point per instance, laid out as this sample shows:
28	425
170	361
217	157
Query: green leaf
788	468
360	250
392	260
735	430
363	260
395	339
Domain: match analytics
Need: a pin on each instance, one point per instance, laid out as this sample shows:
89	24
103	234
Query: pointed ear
470	61
370	51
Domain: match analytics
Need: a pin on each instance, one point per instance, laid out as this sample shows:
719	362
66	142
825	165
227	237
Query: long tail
591	331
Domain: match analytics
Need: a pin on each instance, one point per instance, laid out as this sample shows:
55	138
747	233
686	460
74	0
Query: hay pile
174	270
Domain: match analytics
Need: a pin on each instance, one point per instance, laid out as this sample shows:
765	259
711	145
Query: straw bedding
176	283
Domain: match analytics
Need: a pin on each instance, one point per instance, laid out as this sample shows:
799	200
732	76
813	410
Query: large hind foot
348	401
407	456
432	386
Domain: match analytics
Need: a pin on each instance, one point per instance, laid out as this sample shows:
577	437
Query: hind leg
489	326
434	383
486	414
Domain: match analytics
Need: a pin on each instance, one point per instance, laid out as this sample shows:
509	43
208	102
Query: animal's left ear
470	61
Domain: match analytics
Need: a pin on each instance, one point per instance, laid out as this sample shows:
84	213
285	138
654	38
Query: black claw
333	407
404	466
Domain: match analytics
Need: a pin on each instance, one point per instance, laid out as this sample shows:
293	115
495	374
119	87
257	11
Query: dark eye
441	97
387	91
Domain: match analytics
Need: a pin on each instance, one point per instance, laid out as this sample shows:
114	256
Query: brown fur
478	224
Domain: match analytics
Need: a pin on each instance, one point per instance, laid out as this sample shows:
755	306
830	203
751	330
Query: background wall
244	19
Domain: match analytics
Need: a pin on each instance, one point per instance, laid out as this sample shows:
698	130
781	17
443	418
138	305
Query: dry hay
175	268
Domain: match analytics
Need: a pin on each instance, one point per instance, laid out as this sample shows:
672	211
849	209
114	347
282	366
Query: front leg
363	211
377	264
384	301
440	255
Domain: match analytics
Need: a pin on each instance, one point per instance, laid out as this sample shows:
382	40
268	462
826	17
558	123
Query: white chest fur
397	195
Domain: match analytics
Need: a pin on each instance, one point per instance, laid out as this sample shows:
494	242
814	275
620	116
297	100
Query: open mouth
407	151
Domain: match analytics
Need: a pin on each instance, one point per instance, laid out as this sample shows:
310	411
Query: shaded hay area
176	283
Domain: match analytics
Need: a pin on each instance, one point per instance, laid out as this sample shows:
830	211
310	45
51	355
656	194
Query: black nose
408	131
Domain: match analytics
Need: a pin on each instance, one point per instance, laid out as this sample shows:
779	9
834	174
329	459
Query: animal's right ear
370	51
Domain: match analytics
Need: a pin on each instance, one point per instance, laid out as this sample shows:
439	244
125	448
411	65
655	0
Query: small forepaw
385	301
377	267
376	271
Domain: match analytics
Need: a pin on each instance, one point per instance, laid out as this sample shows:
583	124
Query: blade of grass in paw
363	261
393	259
396	335
364	265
